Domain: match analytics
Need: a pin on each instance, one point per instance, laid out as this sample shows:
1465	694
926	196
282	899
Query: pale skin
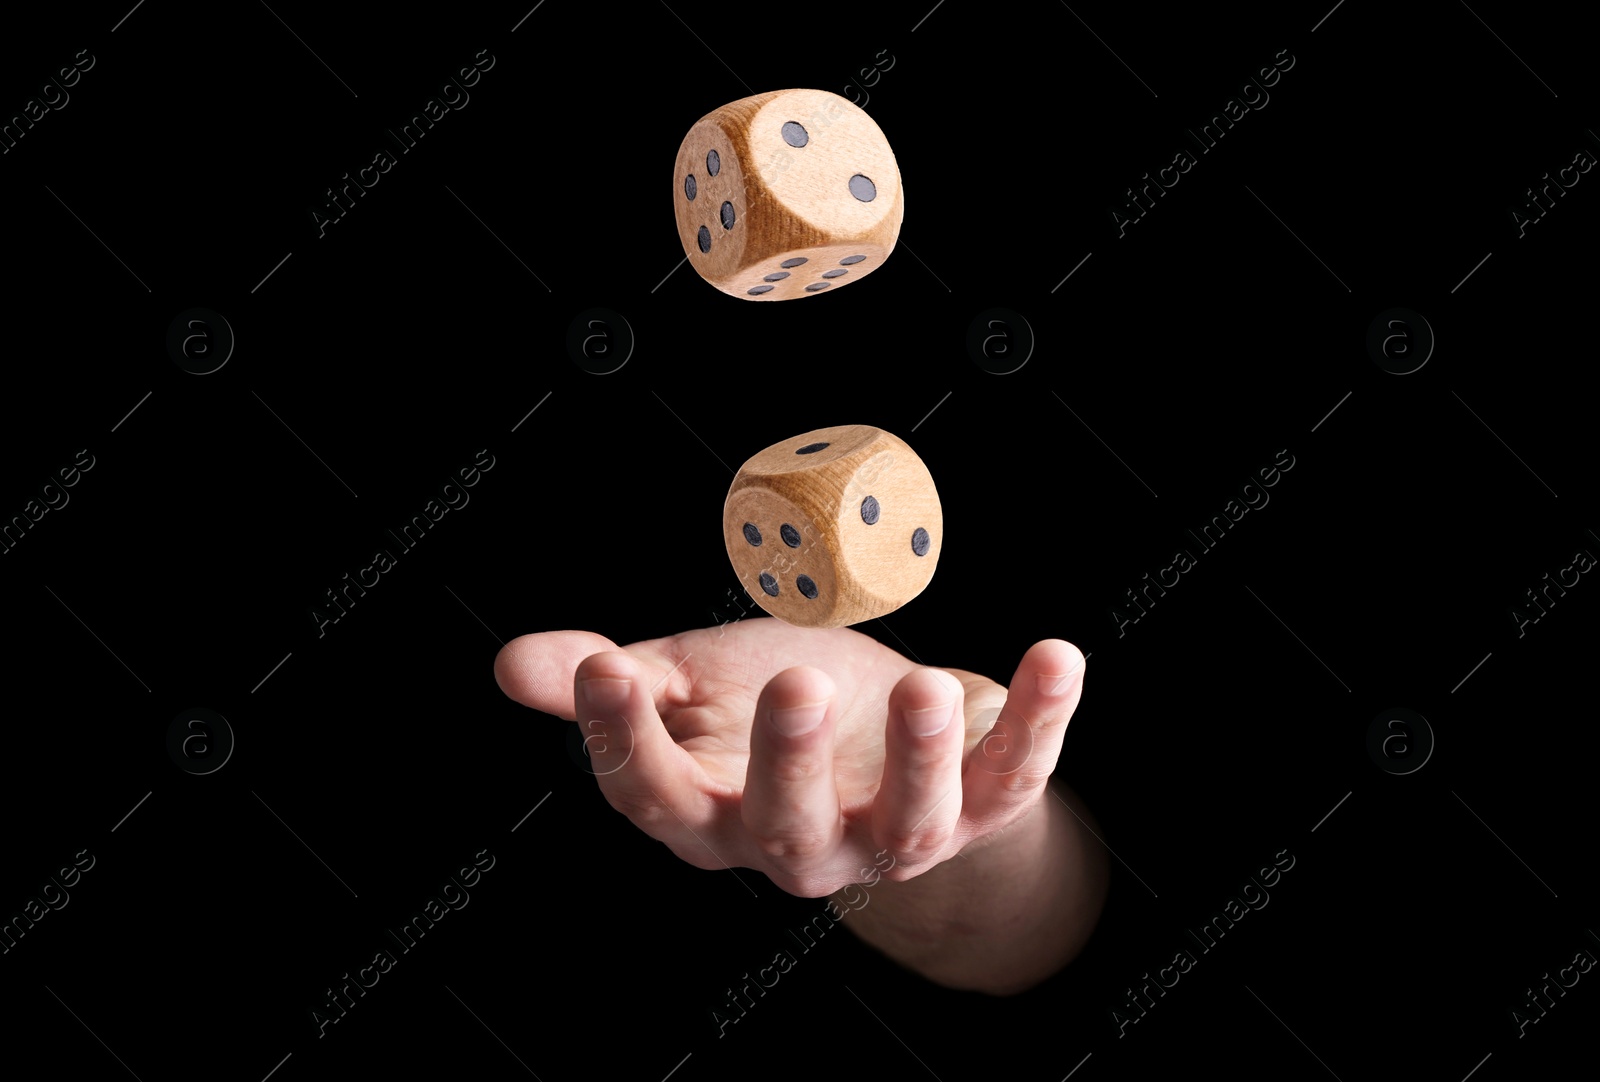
701	739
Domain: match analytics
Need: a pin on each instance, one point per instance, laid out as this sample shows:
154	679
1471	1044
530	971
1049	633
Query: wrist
1008	911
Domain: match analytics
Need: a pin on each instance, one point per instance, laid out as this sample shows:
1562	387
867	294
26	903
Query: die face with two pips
834	527
786	194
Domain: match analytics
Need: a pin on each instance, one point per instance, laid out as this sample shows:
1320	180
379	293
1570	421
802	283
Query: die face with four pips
834	527
786	194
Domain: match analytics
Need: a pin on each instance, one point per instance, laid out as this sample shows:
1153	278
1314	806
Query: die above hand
833	527
810	755
785	195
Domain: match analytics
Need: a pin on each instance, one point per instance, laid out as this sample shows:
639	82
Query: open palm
801	752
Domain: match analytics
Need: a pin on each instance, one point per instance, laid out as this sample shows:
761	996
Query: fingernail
606	693
1056	683
799	720
930	721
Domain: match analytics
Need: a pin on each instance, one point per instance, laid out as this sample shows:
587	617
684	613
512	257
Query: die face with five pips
786	194
834	527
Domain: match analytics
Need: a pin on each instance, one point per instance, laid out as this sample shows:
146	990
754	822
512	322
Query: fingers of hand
1008	769
918	806
790	805
642	771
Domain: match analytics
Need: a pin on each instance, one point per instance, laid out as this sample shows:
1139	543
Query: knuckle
1026	779
792	849
798	769
913	846
928	757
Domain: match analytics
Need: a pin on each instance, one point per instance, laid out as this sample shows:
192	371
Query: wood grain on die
806	196
834	527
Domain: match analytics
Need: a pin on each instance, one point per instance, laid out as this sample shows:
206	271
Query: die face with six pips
834	527
786	194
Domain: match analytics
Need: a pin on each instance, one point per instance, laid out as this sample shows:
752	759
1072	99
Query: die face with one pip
835	527
786	194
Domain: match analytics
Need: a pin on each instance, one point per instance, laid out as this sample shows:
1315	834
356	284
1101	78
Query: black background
1176	361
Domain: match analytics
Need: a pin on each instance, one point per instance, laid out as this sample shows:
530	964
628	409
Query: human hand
802	753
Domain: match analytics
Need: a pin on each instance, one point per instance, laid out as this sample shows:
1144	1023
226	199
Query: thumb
537	670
